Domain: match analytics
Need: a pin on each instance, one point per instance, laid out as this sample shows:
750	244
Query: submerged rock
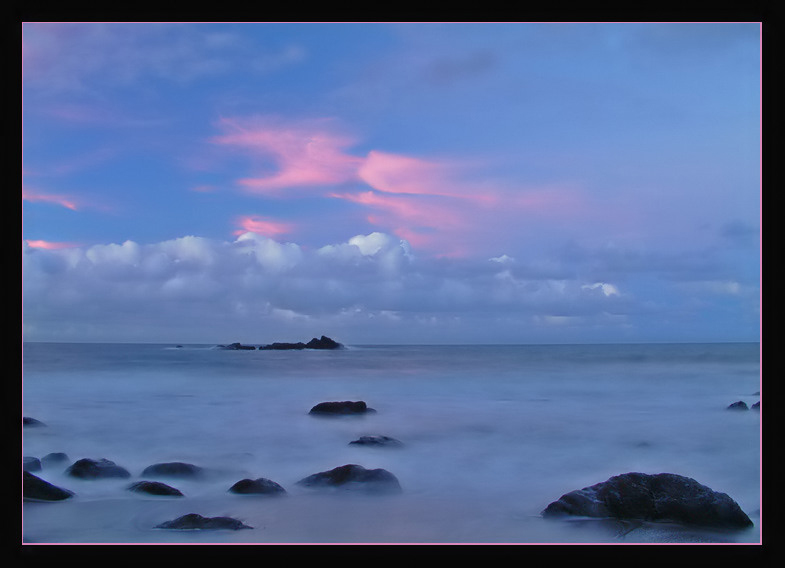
87	468
37	489
341	408
738	405
53	459
664	497
260	486
173	469
31	422
355	477
194	521
154	488
385	441
30	463
756	406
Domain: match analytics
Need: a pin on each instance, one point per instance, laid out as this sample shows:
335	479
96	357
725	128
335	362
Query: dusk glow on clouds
391	183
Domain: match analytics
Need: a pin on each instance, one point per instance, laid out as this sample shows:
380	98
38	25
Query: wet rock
260	486
37	489
756	406
87	468
354	477
323	342
31	422
739	405
346	407
384	441
194	521
30	463
663	497
54	459
154	488
173	469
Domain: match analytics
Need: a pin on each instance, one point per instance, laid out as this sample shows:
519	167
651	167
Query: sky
391	183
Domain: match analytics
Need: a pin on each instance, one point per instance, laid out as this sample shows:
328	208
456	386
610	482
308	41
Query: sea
489	436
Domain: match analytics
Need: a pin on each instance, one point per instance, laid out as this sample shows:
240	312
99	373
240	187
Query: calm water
491	435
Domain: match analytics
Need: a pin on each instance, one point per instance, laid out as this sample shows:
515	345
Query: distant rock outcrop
323	342
346	407
664	497
384	441
27	421
354	477
738	405
236	347
36	489
194	521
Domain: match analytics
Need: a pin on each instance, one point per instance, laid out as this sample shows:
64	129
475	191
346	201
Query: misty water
490	436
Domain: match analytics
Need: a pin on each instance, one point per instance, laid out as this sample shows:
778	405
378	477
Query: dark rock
173	469
87	468
27	421
756	406
740	405
282	346
31	464
54	458
323	342
341	408
36	489
260	486
236	347
663	497
194	521
354	477
154	488
385	441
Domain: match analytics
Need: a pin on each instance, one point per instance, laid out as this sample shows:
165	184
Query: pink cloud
262	226
48	245
64	201
305	155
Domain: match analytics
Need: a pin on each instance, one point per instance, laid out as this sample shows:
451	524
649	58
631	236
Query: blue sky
391	182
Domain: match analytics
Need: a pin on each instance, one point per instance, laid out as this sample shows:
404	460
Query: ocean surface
490	436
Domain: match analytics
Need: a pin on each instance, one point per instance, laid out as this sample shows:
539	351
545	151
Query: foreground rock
29	463
155	488
323	342
260	486
346	407
87	468
194	521
174	469
663	497
354	477
384	441
36	489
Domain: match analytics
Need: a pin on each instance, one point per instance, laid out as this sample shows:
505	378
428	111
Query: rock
756	406
36	489
341	408
173	469
30	463
260	486
385	441
27	421
739	405
154	488
323	342
194	521
87	468
663	497
355	477
54	458
236	347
